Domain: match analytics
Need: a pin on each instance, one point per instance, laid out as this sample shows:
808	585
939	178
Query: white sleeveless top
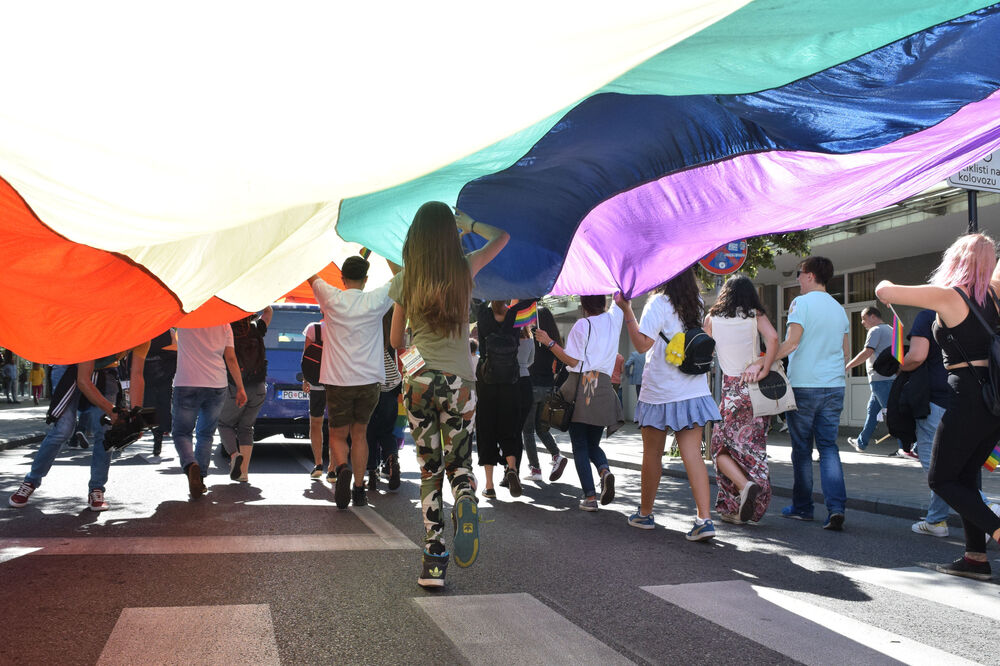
735	343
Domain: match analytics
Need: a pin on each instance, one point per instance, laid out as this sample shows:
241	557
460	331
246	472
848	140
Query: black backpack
250	353
312	356
699	348
885	363
499	364
991	385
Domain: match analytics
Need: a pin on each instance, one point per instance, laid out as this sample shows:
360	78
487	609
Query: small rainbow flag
897	338
527	317
991	462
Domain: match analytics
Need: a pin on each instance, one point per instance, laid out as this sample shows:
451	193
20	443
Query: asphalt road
273	572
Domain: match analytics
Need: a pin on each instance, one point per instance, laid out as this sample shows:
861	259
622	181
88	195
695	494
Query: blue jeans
877	401
196	404
938	509
587	449
817	417
61	432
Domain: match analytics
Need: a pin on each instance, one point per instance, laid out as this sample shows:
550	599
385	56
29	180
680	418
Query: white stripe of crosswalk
779	621
242	634
961	593
10	552
514	629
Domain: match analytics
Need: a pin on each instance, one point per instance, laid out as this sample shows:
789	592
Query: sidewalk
875	482
22	424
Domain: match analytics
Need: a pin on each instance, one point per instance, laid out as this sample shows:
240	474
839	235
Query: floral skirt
744	439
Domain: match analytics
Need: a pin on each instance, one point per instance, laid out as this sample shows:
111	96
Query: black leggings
498	422
963	442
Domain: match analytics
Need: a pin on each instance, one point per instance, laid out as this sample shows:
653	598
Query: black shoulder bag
991	385
556	411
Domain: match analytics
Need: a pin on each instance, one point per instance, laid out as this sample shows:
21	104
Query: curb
15	442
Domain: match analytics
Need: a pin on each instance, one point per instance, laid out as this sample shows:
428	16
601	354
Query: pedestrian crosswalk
958	593
800	630
241	634
514	629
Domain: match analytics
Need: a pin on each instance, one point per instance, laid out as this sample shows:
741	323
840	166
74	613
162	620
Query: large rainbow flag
178	168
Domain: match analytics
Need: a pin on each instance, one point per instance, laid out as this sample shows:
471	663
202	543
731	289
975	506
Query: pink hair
969	264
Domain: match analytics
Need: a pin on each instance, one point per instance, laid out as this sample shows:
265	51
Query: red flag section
112	303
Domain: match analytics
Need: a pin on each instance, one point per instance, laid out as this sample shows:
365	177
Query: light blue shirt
818	362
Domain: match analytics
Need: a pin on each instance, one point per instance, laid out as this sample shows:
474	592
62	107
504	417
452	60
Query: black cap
354	268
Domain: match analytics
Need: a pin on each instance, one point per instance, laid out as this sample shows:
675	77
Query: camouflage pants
441	408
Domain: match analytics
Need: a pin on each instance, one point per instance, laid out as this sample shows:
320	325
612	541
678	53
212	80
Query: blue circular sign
725	260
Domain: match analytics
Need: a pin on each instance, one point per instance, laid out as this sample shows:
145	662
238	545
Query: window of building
861	286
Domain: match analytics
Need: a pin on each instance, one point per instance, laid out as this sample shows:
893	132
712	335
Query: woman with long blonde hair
958	288
434	292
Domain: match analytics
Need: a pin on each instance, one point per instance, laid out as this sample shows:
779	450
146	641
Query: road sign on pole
725	260
983	175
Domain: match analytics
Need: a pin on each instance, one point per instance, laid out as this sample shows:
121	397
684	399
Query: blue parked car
286	406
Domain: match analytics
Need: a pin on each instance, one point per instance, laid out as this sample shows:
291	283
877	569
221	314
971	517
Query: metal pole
973	213
716	381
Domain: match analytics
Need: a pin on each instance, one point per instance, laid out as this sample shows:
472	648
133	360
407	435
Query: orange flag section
62	302
304	293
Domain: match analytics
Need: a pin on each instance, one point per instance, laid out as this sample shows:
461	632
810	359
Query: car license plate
293	395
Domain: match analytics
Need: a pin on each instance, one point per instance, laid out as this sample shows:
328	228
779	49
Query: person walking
878	339
317	402
236	422
158	373
204	355
498	412
959	289
352	369
9	370
89	390
37	381
382	449
817	345
671	399
634	366
591	347
925	352
434	292
737	321
542	374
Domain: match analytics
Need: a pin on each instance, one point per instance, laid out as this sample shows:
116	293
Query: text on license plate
293	395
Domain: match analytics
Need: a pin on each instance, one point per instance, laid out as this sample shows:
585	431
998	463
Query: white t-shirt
663	382
601	351
200	360
308	333
352	334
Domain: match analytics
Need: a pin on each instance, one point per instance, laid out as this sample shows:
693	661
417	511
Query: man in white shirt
203	354
352	370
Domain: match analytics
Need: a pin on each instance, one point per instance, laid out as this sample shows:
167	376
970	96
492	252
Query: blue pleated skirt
679	415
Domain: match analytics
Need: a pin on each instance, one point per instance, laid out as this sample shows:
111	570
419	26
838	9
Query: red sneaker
20	497
95	501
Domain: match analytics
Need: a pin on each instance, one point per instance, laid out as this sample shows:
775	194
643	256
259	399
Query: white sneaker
931	529
853	441
558	465
534	474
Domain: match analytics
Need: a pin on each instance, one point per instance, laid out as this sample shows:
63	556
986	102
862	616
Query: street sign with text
983	175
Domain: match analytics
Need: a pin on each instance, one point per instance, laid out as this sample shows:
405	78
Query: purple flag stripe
643	237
